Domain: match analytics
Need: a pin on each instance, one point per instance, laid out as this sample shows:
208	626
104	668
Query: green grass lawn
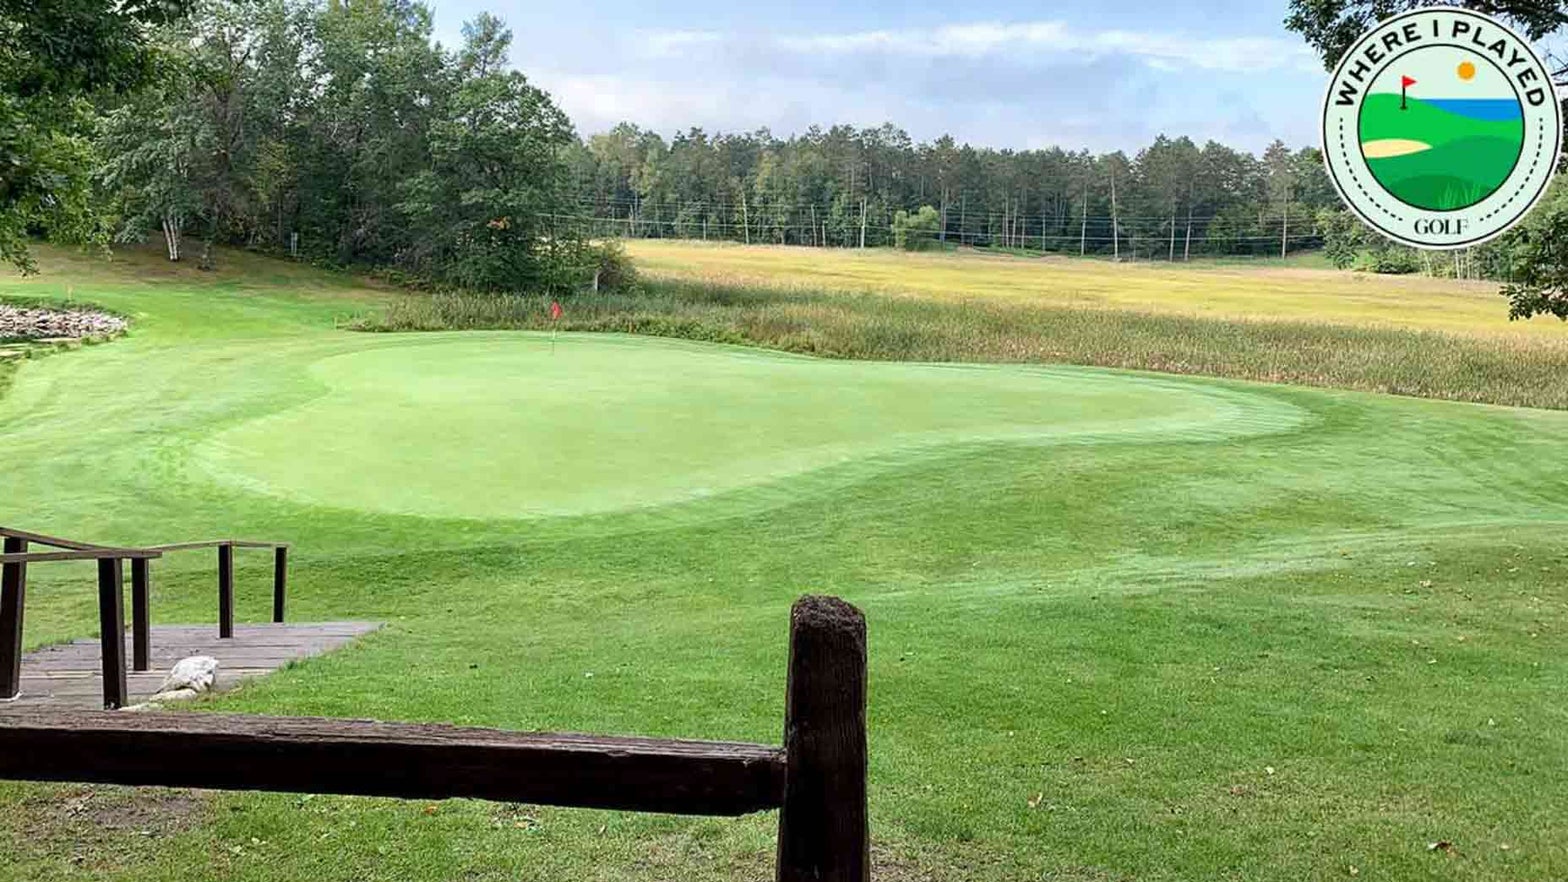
1122	625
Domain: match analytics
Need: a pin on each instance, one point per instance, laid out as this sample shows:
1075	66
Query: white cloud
674	44
598	101
1073	86
1162	50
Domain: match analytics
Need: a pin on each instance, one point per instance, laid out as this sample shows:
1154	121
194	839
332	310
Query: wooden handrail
74	545
86	554
817	780
366	758
218	543
13	586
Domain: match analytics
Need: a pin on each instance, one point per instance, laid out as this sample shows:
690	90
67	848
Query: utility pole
862	222
745	217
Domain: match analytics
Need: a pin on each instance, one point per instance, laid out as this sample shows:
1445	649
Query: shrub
617	274
918	231
1389	260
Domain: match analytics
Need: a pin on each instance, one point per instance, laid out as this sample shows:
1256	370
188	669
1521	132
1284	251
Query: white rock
196	673
174	695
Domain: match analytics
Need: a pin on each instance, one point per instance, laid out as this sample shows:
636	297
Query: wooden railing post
141	615
111	624
280	581
13	595
225	591
823	828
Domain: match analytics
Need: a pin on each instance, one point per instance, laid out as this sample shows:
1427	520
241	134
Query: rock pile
29	323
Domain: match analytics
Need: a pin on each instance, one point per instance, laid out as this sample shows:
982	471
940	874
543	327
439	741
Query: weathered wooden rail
817	779
111	607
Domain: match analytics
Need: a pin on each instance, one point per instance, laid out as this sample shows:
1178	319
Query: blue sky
1104	75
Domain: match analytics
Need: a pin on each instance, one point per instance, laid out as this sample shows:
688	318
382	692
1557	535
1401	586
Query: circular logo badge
1441	128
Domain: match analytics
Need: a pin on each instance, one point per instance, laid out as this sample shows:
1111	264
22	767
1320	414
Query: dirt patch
101	827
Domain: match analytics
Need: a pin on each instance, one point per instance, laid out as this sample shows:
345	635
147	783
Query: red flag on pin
1406	82
555	310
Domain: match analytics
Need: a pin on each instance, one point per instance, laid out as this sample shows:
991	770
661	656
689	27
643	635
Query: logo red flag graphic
555	310
1406	82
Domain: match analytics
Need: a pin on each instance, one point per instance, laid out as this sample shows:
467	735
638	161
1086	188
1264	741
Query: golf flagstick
555	318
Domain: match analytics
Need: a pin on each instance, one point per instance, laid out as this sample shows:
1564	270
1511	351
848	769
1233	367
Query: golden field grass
1203	289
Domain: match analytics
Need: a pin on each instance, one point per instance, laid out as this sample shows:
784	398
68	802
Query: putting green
505	425
1120	625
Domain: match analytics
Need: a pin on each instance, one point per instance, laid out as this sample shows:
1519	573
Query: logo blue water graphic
1487	109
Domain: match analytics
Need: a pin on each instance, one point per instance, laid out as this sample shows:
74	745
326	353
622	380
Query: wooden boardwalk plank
69	675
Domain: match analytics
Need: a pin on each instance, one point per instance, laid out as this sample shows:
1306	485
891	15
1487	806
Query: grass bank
1424	363
1274	634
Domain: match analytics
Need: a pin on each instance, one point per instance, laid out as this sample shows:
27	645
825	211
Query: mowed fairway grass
1122	625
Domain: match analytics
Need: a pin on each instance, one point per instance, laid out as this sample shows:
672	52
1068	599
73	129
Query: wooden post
13	595
280	581
823	833
141	614
225	591
111	626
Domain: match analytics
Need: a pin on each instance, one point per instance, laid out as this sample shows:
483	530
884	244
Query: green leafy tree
55	55
917	231
1331	27
153	147
484	209
1535	259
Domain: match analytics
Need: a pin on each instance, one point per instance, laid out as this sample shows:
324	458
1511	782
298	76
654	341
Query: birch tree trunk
1284	230
1186	249
171	236
1116	237
1083	225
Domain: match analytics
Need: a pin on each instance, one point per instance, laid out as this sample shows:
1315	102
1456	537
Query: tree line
334	130
340	131
845	187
